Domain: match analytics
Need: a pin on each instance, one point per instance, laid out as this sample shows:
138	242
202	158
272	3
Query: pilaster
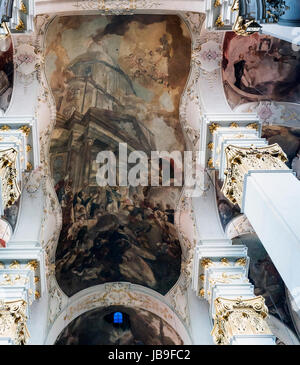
221	277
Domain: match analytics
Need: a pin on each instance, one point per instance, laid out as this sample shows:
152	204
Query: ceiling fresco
115	79
260	67
97	327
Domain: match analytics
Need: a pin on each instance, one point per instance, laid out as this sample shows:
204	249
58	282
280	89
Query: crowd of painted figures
115	234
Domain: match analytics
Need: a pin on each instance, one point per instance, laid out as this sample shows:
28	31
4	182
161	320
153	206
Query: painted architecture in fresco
99	327
260	68
113	82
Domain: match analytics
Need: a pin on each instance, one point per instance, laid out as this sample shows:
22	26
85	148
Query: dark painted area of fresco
6	77
97	327
266	279
116	233
260	67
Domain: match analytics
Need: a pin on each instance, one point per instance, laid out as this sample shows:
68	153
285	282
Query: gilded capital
239	160
13	321
239	317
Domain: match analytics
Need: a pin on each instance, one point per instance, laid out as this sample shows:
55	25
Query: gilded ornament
231	277
202	277
225	261
13	321
7	280
23	8
210	146
217	3
236	317
29	166
241	262
202	292
219	22
210	163
5	128
21	26
25	129
28	148
32	265
233	125
213	127
241	25
206	262
14	265
253	126
235	6
37	295
239	160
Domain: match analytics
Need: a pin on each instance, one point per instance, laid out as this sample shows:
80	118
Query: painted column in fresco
254	175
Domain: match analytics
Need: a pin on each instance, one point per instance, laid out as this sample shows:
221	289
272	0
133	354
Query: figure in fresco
240	73
114	244
111	85
260	67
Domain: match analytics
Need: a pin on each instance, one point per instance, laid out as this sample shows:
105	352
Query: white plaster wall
201	324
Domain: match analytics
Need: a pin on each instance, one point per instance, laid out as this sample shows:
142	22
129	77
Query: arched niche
118	295
134	326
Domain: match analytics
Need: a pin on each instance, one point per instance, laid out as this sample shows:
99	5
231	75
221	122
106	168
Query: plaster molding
124	294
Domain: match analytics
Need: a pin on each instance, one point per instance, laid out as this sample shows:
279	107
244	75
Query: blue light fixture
118	317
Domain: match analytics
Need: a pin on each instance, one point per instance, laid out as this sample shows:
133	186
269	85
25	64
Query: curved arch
114	294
